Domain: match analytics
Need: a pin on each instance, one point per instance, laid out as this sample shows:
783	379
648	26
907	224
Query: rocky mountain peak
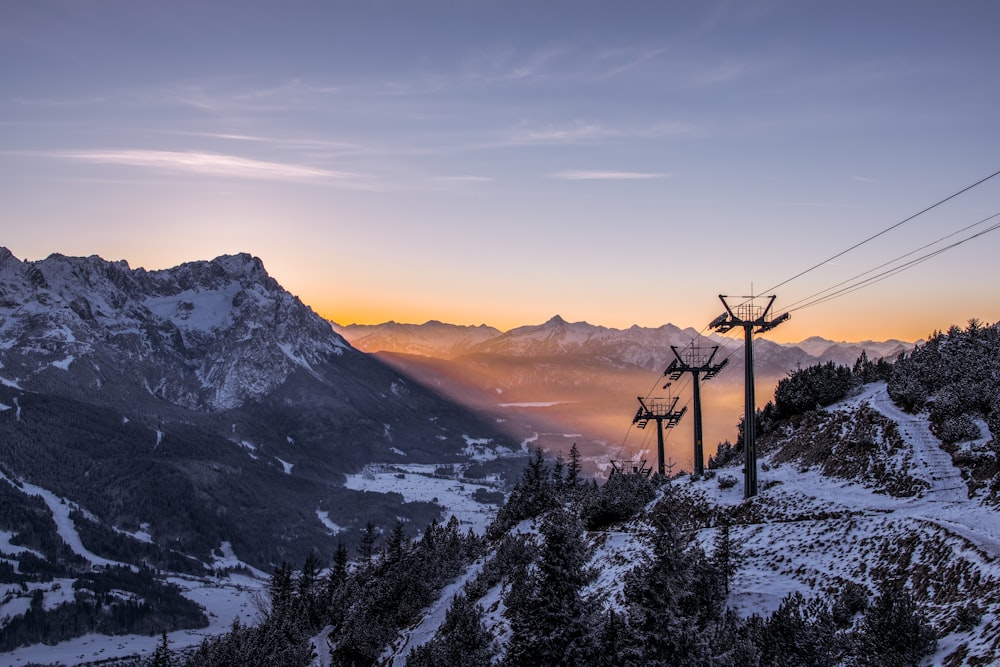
209	334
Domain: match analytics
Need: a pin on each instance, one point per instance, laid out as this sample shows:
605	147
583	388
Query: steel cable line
795	304
893	271
884	231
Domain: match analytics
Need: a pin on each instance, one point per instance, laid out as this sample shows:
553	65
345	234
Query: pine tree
281	590
573	468
615	645
163	657
366	549
395	543
551	620
462	639
672	598
725	556
308	592
894	631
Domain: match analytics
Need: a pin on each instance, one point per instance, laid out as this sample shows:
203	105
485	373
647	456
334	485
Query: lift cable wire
884	231
795	305
893	271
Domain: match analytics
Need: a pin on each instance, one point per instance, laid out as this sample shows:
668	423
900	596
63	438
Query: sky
501	162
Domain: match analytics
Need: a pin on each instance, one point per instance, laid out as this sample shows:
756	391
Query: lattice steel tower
663	412
698	362
753	319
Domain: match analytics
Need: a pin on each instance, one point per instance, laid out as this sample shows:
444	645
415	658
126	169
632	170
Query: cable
793	306
891	272
884	231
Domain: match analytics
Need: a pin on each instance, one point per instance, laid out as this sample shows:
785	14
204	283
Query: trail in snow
930	462
61	508
946	503
428	626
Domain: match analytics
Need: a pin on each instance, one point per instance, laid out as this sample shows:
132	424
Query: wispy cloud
588	175
205	163
581	132
565	134
464	179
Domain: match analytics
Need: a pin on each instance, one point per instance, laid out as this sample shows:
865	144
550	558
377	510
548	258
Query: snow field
416	483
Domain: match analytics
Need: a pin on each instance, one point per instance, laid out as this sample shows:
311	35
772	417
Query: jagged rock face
207	335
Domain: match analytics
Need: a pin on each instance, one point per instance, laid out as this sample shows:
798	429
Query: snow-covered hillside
814	533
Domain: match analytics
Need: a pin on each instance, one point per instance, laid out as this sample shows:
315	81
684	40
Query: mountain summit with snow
204	404
205	335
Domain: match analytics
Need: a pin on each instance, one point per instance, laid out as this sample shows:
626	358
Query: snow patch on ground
418	635
480	449
324	518
224	599
226	559
196	310
417	483
63	364
15	601
285	465
6	547
287	350
61	508
141	535
9	383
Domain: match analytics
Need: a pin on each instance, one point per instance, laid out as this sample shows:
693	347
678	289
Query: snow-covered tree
551	620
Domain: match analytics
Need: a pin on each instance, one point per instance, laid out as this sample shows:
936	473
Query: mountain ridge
556	335
210	383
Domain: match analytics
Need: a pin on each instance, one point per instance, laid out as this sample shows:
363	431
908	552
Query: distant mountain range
636	346
560	381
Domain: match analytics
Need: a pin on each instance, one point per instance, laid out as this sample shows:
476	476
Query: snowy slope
812	533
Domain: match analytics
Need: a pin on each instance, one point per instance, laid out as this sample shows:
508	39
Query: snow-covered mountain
207	404
203	335
640	347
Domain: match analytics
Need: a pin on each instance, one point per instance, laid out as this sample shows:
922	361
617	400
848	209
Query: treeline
543	487
956	377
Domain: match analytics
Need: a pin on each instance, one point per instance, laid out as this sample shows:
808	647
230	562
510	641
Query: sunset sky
501	162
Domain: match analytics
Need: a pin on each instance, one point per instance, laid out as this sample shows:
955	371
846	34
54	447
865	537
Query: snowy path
931	463
428	626
797	555
61	508
946	503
